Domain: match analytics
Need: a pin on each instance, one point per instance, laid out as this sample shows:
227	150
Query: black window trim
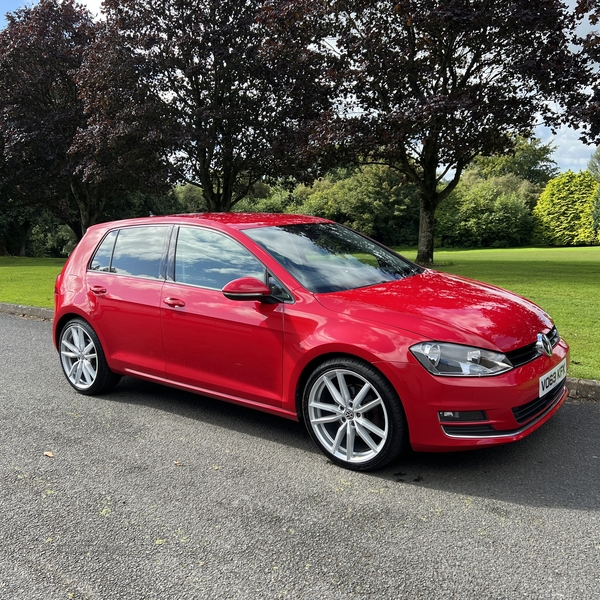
93	255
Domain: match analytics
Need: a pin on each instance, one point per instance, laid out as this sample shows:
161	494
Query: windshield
327	257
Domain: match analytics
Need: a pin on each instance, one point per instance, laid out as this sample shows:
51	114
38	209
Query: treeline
510	201
377	113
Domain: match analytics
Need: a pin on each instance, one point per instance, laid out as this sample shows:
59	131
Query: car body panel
231	347
446	307
259	354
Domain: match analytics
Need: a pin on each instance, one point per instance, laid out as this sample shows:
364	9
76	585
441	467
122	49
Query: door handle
174	302
98	290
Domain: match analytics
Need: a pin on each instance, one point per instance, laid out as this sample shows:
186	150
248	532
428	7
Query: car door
124	281
226	347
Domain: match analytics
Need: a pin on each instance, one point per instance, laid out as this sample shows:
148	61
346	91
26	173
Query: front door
226	347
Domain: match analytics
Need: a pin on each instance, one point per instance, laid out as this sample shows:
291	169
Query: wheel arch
60	323
320	359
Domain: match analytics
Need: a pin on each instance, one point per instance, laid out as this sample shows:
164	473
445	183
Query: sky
570	152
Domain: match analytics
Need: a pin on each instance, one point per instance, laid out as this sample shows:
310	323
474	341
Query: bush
486	213
596	215
373	200
565	211
50	238
275	200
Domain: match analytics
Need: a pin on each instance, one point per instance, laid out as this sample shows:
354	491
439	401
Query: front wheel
354	414
82	359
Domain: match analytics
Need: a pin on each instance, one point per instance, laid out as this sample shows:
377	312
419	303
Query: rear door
124	281
226	347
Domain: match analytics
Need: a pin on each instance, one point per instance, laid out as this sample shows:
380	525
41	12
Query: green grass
563	281
29	281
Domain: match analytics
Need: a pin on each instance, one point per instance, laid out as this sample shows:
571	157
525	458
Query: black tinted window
139	250
210	259
101	260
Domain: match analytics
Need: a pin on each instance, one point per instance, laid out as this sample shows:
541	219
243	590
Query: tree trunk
428	201
75	227
90	204
426	227
26	229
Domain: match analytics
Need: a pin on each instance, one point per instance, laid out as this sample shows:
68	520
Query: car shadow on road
556	466
215	412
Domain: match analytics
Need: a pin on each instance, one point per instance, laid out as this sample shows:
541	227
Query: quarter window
209	259
103	256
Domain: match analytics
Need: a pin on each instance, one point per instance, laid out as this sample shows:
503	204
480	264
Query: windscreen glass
326	257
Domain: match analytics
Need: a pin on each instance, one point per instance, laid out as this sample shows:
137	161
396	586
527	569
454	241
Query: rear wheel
354	414
82	359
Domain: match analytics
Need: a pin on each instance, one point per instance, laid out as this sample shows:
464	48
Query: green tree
588	113
596	215
40	49
373	200
529	159
50	238
52	135
206	82
564	212
276	199
594	164
190	198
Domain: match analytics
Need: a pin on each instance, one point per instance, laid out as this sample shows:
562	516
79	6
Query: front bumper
510	403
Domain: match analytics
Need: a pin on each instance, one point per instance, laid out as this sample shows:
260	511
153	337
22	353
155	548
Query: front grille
523	355
527	411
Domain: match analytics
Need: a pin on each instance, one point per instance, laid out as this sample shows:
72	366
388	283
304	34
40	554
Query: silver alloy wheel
79	356
348	416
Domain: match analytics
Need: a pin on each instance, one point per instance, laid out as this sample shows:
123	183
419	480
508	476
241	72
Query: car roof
226	220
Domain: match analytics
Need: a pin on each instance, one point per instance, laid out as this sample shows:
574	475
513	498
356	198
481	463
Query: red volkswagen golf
303	318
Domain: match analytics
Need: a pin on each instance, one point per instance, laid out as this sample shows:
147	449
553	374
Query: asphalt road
155	493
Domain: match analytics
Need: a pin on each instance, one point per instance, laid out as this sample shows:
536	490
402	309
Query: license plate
552	378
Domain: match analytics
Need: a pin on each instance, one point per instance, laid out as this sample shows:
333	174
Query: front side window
326	257
133	251
210	259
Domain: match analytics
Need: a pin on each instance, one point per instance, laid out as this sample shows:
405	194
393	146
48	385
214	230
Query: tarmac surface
148	492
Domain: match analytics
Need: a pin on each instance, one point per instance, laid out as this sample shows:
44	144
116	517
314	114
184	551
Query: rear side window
138	252
209	259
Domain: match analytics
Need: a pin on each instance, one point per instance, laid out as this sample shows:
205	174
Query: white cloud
571	153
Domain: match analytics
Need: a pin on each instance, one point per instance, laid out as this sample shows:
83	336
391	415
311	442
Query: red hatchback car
304	318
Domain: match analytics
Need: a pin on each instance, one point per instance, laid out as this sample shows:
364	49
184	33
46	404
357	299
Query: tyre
353	414
82	359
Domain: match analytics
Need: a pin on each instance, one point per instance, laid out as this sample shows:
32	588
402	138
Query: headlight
453	360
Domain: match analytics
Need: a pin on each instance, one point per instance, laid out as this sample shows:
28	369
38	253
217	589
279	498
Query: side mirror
248	288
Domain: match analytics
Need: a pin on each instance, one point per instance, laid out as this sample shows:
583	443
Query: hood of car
446	308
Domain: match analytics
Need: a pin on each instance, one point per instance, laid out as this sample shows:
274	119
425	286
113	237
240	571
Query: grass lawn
29	281
563	281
